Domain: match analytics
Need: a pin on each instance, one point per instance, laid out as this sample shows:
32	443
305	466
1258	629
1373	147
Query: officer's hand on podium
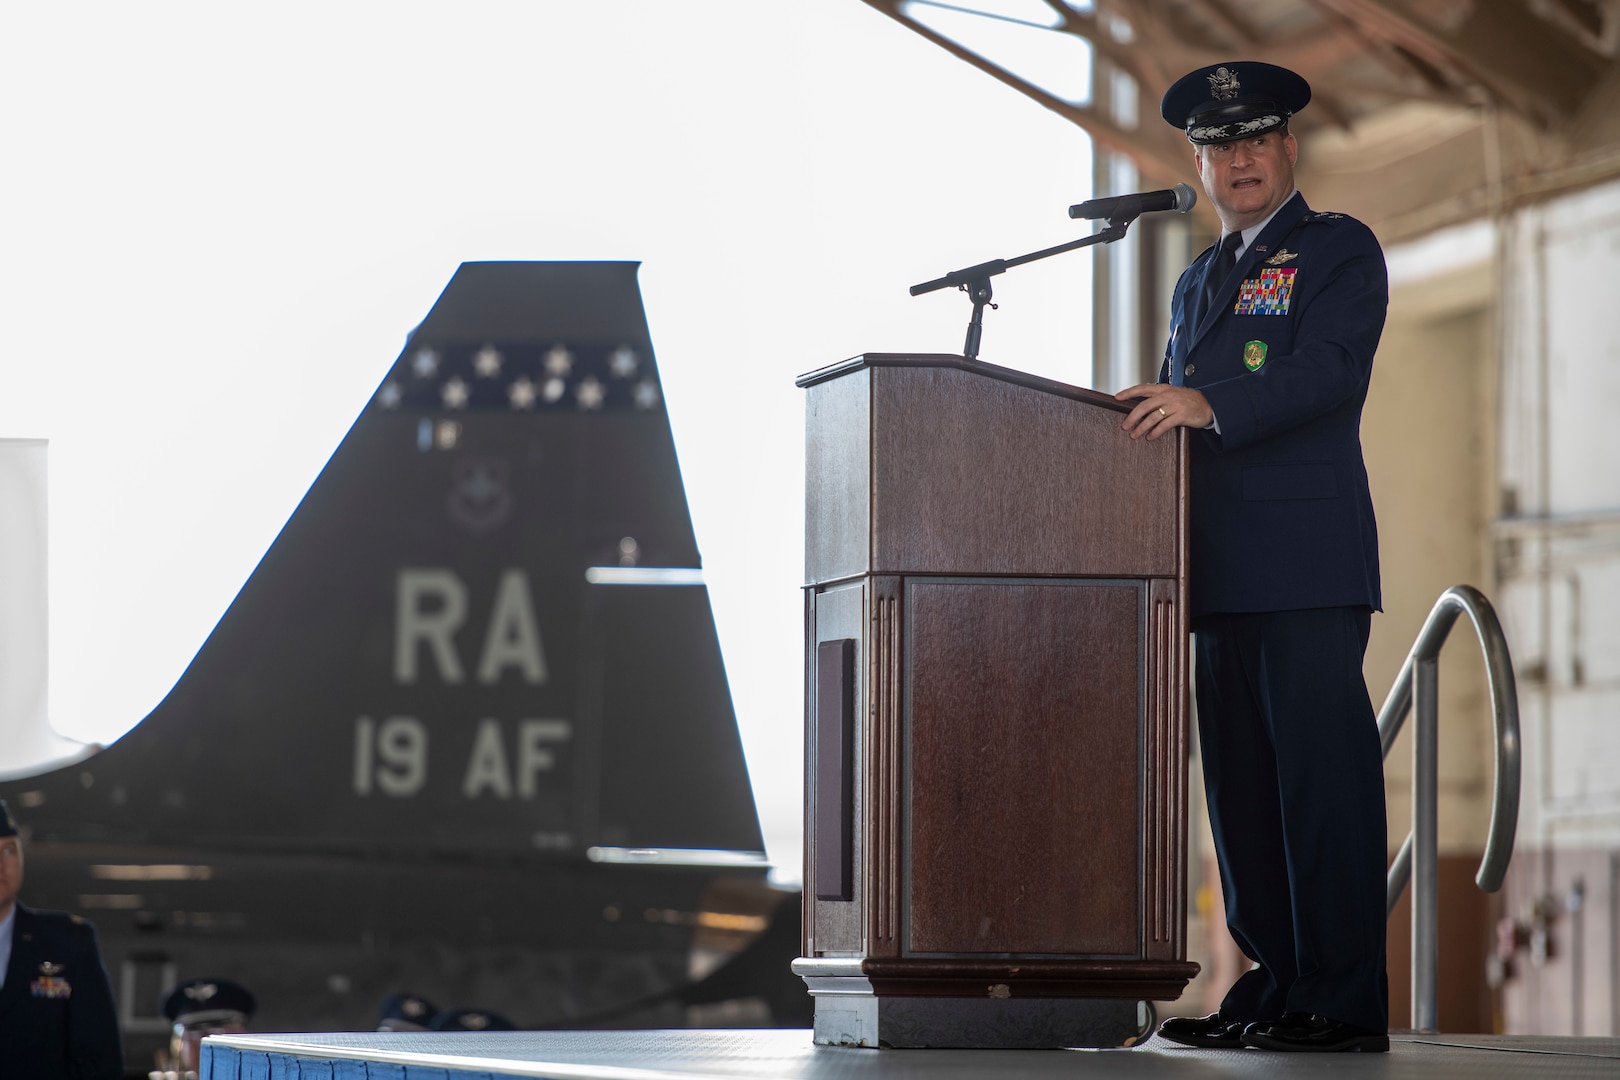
1163	407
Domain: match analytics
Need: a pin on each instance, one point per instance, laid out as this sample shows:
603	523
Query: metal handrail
1419	680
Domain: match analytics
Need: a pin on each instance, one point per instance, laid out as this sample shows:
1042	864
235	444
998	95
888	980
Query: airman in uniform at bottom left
56	1006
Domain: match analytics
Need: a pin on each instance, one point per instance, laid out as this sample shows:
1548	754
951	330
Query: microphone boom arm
975	280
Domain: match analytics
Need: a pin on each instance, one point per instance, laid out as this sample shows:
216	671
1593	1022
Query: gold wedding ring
1163	413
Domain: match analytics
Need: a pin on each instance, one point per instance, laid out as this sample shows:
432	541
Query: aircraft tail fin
484	627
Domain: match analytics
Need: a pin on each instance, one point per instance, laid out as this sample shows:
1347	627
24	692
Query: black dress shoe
1309	1032
1216	1030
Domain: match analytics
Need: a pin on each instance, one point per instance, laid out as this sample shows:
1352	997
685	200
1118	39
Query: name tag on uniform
51	987
1267	294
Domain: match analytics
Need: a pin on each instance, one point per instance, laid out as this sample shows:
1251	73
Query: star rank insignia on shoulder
1282	256
1323	215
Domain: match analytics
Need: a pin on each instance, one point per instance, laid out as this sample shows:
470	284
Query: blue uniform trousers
1293	771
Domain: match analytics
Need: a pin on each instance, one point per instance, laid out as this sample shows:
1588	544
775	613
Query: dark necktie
1219	267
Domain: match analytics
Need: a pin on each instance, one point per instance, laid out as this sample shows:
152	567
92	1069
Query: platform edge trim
544	1069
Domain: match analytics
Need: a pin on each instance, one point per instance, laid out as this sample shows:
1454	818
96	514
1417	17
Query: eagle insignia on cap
1224	85
201	992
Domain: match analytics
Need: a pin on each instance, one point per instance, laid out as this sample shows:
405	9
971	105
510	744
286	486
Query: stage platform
758	1055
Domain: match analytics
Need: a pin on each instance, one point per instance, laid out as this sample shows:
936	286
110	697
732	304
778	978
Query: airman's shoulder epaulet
56	921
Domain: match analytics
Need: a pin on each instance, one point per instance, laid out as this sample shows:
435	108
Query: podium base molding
981	1005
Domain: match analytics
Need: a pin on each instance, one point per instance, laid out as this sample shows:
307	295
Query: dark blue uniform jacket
1281	515
56	1009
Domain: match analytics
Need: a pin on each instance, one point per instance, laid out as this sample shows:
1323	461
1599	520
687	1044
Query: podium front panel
1023	743
977	475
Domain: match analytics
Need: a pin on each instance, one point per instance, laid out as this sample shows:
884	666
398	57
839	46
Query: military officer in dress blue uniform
198	1008
1271	348
56	1007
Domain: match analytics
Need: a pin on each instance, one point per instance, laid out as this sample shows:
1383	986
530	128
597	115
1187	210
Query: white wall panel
1582	265
26	740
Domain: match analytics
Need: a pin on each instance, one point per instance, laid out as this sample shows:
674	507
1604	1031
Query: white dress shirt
1253	231
6	925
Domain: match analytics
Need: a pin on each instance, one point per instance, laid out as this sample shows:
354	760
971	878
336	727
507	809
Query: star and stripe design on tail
520	378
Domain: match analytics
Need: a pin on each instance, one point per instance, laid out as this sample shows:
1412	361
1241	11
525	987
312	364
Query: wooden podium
996	709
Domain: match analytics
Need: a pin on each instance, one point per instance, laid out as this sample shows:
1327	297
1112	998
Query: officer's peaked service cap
406	1012
207	1000
8	827
472	1020
1234	100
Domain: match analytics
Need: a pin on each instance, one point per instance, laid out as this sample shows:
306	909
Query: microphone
1179	198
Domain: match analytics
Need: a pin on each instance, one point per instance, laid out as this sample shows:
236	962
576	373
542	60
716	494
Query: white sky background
217	224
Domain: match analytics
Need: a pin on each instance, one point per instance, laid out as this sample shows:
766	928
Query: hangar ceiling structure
1425	112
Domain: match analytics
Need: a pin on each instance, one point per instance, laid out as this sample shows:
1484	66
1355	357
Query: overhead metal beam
1501	48
1162	157
1237	30
1167	46
1551	71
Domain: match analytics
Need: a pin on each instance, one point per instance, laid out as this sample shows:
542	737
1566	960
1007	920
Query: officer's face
11	872
186	1044
1247	180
